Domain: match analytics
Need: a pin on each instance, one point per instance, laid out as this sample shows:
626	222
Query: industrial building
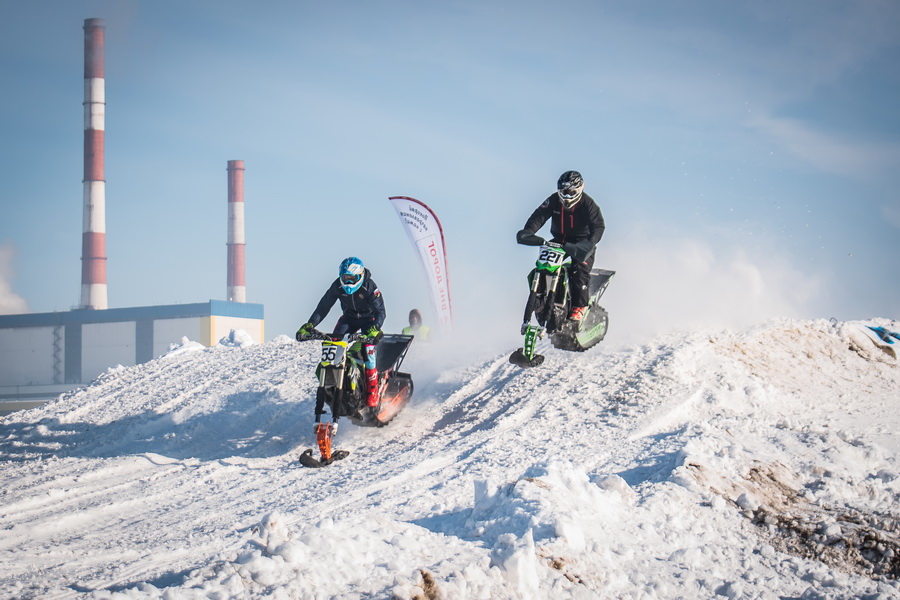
45	354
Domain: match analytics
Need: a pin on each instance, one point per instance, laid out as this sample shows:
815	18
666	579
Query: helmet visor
350	278
569	193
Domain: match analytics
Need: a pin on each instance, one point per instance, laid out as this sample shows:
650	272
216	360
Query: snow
760	463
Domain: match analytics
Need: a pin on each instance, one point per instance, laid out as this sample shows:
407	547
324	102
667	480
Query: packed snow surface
753	464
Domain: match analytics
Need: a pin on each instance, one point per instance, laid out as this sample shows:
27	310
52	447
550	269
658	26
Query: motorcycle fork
336	376
550	283
556	288
337	373
561	292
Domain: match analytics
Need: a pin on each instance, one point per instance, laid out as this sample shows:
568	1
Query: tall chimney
237	285
93	240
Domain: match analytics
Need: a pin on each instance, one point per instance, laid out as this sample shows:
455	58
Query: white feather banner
427	237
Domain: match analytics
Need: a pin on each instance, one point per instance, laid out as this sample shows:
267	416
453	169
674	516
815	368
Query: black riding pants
579	281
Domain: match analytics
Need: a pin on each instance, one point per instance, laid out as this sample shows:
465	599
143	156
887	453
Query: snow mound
743	464
184	346
237	338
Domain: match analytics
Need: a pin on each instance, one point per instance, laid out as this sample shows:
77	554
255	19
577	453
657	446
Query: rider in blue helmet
363	308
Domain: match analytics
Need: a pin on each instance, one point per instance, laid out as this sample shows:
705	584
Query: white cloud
855	158
10	303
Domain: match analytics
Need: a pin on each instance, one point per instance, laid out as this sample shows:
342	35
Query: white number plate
333	353
550	257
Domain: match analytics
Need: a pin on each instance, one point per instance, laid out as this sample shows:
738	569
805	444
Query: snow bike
342	387
549	302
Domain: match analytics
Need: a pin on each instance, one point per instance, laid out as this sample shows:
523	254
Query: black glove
529	239
579	251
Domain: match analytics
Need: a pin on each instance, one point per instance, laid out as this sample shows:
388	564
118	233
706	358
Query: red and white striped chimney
93	241
237	285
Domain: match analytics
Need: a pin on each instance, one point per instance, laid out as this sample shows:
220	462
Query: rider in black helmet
577	224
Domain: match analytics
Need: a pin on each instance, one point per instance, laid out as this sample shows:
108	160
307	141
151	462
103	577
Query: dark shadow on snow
249	424
656	465
447	524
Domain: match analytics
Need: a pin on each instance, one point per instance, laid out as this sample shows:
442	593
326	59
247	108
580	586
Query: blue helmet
351	274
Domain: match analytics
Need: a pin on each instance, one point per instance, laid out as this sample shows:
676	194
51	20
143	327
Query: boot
371	387
577	313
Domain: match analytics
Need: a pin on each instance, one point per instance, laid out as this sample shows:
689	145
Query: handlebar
315	334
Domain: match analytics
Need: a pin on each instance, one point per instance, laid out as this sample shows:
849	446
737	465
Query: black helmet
569	187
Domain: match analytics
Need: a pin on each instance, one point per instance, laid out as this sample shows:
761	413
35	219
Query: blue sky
745	155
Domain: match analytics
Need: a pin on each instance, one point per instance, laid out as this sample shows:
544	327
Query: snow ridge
751	464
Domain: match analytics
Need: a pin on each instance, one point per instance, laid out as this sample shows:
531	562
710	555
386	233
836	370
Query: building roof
218	308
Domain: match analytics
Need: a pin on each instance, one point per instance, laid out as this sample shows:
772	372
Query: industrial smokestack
93	241
237	285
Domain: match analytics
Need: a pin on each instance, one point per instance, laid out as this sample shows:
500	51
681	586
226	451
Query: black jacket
364	303
579	228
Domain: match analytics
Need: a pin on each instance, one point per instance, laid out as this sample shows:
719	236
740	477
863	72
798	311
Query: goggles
350	278
569	193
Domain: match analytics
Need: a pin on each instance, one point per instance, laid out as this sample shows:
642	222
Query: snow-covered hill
752	464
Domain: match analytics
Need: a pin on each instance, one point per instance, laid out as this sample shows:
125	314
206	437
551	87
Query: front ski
324	433
520	359
308	460
526	356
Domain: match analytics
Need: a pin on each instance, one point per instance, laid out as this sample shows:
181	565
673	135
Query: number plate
333	353
550	258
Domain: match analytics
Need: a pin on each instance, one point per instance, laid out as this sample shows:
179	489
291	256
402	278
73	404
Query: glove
524	327
570	249
304	331
529	239
373	332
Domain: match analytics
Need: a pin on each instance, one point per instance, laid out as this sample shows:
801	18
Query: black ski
526	356
307	459
520	359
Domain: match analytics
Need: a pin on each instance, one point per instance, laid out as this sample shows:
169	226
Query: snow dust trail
496	406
